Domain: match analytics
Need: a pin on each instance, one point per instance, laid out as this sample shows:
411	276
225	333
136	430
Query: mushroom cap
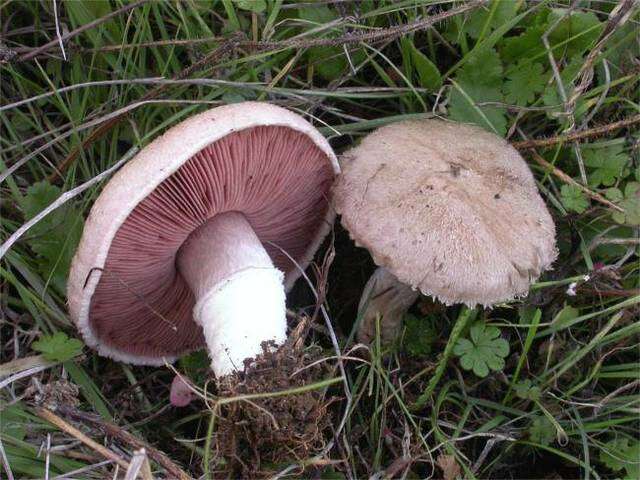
124	291
449	209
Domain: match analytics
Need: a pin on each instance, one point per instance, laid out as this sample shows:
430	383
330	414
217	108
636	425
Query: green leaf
551	96
630	204
318	14
329	62
573	198
503	11
58	347
565	316
526	390
419	336
607	164
619	454
54	238
464	100
614	194
196	366
542	431
479	80
428	73
483	67
484	351
255	6
524	81
579	29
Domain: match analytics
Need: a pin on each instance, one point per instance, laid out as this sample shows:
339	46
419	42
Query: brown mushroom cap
449	209
124	291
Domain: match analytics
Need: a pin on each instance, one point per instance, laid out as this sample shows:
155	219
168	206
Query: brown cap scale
185	244
449	209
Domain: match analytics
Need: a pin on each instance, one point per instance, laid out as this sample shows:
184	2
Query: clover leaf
58	347
483	351
542	431
526	390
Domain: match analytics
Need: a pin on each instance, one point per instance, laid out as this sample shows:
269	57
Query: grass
565	405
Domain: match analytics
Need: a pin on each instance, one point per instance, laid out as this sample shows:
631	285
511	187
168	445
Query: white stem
240	299
384	297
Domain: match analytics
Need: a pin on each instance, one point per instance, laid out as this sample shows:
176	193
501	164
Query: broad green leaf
622	454
573	198
578	28
427	72
58	347
484	351
479	80
55	237
542	431
630	204
464	106
606	164
524	81
551	96
419	335
503	11
526	390
483	67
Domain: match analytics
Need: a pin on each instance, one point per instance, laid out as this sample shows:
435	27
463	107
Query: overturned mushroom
450	210
188	244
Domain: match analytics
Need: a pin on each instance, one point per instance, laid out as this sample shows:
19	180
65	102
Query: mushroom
447	209
196	239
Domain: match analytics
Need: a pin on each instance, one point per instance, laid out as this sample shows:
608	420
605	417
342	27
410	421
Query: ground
557	396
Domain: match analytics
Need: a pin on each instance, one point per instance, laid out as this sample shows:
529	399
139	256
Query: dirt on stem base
260	436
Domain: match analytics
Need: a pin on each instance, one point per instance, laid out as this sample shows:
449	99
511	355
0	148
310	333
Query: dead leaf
449	466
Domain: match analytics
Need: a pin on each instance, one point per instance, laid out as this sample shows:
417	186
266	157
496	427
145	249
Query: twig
371	36
118	432
155	43
592	132
567	179
51	417
58	41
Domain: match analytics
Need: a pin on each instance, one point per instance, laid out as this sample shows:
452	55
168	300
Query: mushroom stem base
240	314
386	297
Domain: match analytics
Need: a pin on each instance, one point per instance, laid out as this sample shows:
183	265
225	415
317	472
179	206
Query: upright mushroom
189	243
446	209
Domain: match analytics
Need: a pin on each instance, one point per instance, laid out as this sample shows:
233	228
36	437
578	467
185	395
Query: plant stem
459	326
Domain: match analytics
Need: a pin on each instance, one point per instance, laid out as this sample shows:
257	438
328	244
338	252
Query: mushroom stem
385	296
240	299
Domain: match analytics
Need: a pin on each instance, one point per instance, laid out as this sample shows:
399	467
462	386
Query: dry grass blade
580	135
567	179
51	417
131	440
